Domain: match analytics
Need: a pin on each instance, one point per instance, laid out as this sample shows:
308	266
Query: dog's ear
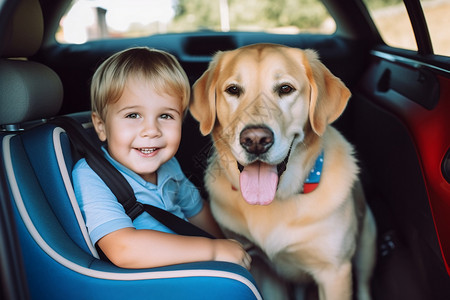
329	95
203	104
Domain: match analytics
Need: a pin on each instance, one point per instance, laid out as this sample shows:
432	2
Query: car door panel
401	129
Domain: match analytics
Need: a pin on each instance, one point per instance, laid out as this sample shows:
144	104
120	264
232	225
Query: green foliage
256	14
196	14
300	13
250	14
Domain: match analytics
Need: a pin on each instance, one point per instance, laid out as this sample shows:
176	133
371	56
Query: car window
437	15
394	25
392	21
96	19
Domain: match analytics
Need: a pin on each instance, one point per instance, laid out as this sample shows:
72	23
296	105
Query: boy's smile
142	129
147	151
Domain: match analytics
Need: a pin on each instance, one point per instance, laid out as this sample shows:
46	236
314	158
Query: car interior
397	119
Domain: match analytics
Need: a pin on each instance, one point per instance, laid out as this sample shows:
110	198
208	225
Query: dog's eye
285	89
233	90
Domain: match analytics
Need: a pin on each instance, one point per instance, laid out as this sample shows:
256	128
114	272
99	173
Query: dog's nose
256	139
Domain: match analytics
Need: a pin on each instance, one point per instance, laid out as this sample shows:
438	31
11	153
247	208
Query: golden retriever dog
268	109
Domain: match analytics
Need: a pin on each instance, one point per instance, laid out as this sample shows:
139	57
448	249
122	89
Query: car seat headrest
24	31
29	91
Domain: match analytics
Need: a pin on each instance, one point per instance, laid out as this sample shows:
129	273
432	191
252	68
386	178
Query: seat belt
117	183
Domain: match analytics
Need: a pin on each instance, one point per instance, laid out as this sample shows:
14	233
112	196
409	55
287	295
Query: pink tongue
258	183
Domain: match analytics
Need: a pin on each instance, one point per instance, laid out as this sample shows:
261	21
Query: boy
139	98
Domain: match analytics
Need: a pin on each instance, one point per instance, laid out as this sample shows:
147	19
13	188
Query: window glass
98	19
437	15
392	21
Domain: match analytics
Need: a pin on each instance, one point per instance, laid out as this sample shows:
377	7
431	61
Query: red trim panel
430	131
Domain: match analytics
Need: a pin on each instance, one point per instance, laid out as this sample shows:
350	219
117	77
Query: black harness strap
118	184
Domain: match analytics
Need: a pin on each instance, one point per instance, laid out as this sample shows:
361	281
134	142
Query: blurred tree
251	14
196	14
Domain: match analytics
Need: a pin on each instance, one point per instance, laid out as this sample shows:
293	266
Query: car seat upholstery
59	259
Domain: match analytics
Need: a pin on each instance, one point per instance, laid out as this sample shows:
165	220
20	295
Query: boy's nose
151	130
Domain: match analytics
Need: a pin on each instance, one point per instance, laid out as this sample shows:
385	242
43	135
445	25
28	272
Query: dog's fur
316	235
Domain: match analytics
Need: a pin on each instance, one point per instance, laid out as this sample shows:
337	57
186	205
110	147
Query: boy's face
142	129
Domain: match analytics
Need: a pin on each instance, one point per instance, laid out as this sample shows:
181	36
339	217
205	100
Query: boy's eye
166	116
132	116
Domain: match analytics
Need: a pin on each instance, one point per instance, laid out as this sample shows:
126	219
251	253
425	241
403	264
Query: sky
120	14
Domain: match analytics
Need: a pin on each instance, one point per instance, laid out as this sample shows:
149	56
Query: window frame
420	27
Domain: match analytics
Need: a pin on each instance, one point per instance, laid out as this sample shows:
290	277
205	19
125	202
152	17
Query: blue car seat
58	257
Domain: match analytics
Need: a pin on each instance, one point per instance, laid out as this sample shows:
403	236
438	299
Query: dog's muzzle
259	180
257	140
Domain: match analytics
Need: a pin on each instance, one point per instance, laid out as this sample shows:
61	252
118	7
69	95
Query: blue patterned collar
314	176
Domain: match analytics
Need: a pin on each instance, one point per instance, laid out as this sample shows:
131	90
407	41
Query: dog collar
313	179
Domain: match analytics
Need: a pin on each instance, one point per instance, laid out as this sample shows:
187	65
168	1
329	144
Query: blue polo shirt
104	214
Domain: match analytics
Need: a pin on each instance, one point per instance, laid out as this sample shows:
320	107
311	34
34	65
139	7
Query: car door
401	128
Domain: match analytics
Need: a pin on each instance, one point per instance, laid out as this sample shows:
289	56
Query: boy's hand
231	251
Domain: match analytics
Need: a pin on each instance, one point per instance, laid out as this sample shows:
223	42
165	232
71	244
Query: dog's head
258	101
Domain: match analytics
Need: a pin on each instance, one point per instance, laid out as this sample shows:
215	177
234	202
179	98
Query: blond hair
161	69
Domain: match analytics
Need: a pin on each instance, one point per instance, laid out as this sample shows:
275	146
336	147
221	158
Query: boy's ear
99	126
